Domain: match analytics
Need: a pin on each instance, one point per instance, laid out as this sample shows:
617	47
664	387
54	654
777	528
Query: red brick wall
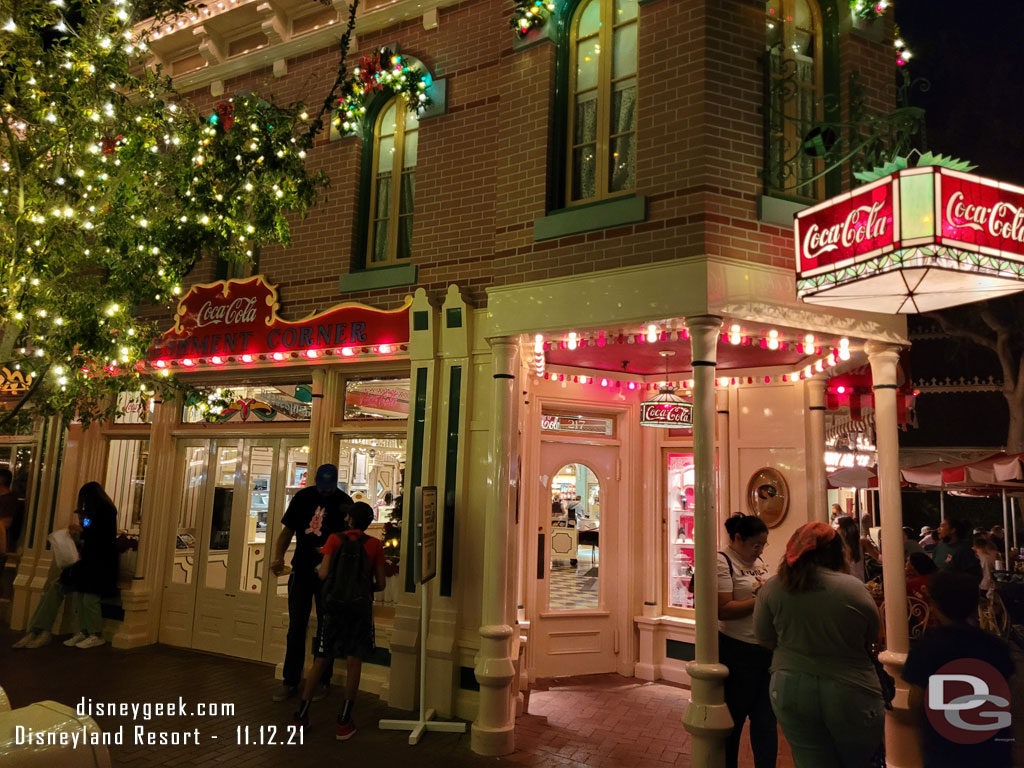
482	176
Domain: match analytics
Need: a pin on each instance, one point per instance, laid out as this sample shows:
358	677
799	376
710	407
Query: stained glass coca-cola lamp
666	409
915	240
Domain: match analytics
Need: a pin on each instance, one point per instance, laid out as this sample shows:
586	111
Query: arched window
602	100
393	185
795	97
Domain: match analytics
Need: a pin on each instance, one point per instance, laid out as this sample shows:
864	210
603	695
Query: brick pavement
601	721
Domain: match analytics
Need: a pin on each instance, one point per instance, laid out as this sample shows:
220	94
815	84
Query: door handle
540	555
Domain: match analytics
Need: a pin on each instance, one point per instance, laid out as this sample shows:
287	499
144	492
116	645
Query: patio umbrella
854	477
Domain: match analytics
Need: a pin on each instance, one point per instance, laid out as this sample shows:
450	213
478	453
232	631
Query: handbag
728	562
65	552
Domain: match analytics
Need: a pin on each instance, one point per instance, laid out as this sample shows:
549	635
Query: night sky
973	55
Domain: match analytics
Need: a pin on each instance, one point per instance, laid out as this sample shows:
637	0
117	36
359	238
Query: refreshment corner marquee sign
920	239
236	321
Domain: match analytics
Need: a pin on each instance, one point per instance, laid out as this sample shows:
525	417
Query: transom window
602	88
793	40
394	184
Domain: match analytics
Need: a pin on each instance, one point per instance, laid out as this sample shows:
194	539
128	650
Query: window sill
588	218
378	277
776	210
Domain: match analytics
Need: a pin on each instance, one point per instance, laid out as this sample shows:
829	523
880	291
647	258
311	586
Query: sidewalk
603	721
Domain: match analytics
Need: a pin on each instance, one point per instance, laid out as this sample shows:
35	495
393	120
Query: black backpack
349	579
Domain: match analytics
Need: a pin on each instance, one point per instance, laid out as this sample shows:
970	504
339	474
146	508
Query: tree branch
964	333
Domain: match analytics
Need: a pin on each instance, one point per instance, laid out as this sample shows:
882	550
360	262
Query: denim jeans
746	695
826	722
303	592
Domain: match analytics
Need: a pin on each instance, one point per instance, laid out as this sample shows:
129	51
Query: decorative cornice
201	47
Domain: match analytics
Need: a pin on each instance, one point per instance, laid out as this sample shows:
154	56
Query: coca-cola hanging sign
918	240
668	415
236	321
852	227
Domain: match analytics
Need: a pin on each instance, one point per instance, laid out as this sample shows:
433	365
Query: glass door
233	562
291	473
18	459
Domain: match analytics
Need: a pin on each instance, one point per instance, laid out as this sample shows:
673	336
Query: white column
901	744
706	717
493	731
817	481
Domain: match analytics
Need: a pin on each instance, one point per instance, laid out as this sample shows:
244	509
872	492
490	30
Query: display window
679	488
575	539
372	469
127	461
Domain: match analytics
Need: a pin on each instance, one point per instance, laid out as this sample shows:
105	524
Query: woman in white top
987	556
740	574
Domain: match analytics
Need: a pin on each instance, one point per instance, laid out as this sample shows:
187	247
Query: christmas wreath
382	71
528	14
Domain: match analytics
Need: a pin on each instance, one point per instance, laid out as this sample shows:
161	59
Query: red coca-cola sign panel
847	228
232	318
981	213
671	415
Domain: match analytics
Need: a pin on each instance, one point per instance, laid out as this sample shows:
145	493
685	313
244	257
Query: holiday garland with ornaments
529	14
382	71
869	10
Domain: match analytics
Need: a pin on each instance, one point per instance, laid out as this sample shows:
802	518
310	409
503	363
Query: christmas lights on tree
112	188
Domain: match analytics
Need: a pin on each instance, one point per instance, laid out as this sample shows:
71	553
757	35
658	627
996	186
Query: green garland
529	14
869	10
383	71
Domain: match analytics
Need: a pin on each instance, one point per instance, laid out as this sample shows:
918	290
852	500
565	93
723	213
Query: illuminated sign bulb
809	344
773	339
384	349
311	354
246	358
279	356
734	334
347	351
652	333
538	344
572	340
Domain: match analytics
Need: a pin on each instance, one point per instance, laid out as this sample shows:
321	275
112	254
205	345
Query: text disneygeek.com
143	735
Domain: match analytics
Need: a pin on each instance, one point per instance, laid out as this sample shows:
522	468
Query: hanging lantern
666	409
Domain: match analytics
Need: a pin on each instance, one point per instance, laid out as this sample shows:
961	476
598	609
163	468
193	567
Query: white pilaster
493	731
707	717
817	488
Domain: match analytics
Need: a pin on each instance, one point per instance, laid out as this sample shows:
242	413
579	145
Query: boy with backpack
352	569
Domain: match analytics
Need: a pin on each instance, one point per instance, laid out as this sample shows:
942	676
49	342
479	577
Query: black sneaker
285	692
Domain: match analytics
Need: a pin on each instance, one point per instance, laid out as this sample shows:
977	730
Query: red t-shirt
374	547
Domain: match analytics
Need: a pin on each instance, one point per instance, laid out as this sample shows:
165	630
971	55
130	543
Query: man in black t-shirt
956	649
312	516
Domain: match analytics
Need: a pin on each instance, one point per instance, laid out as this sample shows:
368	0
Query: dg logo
968	701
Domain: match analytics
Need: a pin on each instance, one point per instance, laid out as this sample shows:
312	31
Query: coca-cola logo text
1002	220
666	414
239	312
865	222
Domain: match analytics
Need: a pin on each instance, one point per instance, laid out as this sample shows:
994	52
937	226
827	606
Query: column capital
884	359
704	330
882	350
703	321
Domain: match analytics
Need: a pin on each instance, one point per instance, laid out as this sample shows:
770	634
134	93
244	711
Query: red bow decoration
225	114
369	66
109	145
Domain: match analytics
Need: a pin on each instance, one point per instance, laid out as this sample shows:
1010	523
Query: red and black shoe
345	731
